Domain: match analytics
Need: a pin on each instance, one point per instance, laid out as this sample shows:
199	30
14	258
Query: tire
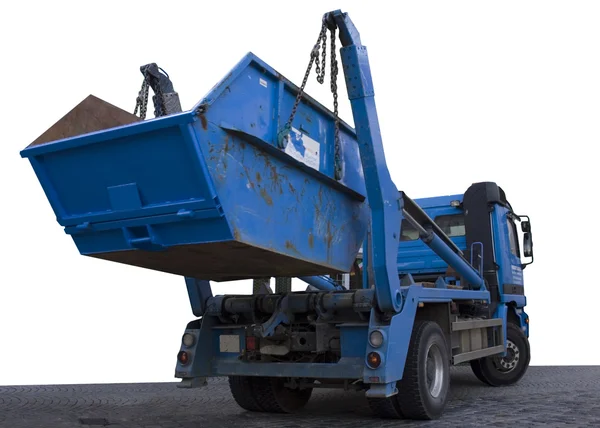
476	368
418	397
498	371
243	393
273	397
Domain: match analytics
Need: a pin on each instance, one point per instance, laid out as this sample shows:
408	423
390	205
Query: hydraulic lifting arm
386	203
383	196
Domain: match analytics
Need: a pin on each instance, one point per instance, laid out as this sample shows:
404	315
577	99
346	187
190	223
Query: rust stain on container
276	179
292	189
204	122
311	240
258	177
236	234
266	196
226	146
247	172
290	246
329	235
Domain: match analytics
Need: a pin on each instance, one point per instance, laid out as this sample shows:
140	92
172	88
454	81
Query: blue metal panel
346	368
448	294
415	256
202	352
430	204
396	340
398	332
501	312
214	174
510	271
462	267
383	196
79	174
524	318
353	338
253	93
163	231
199	291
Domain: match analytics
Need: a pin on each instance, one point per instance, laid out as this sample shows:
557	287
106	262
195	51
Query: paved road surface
546	396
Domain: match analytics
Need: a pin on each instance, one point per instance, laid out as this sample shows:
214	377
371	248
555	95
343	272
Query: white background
466	91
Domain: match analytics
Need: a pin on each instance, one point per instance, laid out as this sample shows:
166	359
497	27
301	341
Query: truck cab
483	225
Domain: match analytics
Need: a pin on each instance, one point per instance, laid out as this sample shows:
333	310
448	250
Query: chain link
160	108
334	88
141	101
320	70
322	41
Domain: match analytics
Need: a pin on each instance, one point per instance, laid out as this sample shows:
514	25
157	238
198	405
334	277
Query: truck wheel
243	393
502	371
274	397
423	390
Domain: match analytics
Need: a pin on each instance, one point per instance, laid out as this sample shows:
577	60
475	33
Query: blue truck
259	180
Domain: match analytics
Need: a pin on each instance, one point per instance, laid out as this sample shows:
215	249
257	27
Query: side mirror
526	226
527	245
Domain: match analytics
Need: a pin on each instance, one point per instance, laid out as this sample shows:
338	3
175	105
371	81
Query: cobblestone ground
546	396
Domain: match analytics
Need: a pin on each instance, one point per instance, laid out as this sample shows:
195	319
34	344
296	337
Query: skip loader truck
259	180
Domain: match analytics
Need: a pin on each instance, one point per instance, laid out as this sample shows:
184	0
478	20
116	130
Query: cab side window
512	237
452	225
408	232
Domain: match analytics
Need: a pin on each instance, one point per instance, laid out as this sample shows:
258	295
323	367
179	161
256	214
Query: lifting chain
141	101
320	69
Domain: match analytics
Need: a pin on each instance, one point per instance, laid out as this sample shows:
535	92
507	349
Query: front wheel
502	371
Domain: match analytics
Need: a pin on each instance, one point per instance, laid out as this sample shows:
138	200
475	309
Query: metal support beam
322	283
199	292
383	196
283	285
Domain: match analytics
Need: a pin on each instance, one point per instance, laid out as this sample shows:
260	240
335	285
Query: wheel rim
434	370
509	363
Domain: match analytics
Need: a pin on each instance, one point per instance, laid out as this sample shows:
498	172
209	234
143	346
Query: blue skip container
209	193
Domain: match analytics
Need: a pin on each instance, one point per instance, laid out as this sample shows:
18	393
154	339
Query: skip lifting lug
200	110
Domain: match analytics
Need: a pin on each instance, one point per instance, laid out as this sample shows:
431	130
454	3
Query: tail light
251	343
183	357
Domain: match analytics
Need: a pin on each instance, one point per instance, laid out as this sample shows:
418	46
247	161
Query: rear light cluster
188	341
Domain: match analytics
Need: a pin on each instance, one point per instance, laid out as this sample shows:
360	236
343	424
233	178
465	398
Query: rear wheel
423	390
264	394
501	371
243	393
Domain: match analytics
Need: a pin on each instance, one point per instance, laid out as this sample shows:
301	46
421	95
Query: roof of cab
438	201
